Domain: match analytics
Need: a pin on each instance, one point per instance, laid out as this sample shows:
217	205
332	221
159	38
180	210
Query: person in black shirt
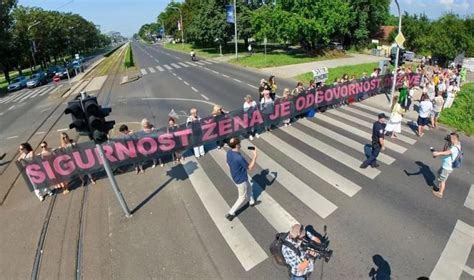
378	143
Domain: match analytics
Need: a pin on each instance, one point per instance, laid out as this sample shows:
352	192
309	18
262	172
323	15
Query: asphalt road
378	220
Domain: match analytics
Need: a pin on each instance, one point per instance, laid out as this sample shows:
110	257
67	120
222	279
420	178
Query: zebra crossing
280	163
25	94
172	66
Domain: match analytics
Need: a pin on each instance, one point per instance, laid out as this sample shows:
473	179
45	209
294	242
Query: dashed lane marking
186	83
237	80
179	78
193	88
62	129
226	76
252	86
205	97
12	137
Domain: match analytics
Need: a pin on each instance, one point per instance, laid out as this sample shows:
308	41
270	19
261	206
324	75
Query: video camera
321	249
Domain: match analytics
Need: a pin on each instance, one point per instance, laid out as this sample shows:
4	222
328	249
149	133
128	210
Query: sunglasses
43	146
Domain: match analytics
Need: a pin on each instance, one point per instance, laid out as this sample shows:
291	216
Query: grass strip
274	59
129	57
461	115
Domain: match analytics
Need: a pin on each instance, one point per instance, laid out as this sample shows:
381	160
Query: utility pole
394	82
181	23
235	31
33	46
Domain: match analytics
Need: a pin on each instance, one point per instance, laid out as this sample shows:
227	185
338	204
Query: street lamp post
394	82
181	23
235	31
33	42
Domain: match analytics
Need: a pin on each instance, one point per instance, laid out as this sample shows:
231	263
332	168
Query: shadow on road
175	173
382	270
424	170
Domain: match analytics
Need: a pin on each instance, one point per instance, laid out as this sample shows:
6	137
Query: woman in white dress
394	124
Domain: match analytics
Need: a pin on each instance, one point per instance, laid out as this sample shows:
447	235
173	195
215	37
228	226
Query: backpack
457	162
276	248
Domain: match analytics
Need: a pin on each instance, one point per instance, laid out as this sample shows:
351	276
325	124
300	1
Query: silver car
17	83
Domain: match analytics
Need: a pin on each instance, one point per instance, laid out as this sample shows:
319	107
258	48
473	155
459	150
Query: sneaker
153	166
251	137
363	166
257	135
254	203
161	165
438	194
229	217
41	198
375	165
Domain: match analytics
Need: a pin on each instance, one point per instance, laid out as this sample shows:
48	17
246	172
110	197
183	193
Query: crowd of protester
438	87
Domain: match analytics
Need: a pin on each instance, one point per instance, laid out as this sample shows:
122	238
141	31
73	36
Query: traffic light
401	57
393	56
79	119
99	127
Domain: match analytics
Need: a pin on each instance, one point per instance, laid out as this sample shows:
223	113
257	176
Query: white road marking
191	63
183	64
215	72
8	98
469	203
178	99
239	239
178	58
40	132
358	132
331	177
143	71
332	152
179	78
224	75
62	129
174	74
206	62
11	107
42	91
205	97
193	88
175	65
295	186
207	68
400	136
375	110
124	79
237	80
19	96
157	61
167	67
33	92
252	86
51	92
359	147
200	63
276	215
151	69
186	83
453	259
12	137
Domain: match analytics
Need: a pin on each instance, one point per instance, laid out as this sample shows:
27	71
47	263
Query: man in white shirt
449	155
424	112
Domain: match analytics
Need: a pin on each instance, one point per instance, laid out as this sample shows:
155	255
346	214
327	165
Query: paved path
288	71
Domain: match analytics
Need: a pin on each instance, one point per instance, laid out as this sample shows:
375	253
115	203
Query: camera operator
301	262
450	153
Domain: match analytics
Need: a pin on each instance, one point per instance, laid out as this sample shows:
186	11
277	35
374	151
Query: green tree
366	18
209	23
6	46
449	37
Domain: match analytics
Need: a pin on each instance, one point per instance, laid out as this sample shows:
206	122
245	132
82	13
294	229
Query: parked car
52	70
37	79
17	83
408	56
336	46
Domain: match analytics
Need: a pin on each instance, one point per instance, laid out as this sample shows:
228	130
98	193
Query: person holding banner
249	106
267	106
68	143
26	153
193	120
148	128
128	134
273	86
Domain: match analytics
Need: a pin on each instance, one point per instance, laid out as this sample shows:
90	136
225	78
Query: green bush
129	57
461	115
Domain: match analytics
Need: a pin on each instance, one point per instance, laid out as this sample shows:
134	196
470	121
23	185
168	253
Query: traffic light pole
115	187
394	82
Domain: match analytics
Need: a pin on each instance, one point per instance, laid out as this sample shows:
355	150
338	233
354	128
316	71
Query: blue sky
126	16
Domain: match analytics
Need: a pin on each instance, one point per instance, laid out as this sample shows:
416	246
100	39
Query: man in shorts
449	155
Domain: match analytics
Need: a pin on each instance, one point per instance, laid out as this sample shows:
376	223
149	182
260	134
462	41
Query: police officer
378	143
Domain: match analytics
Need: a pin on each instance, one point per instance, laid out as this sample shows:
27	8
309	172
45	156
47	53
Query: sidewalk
288	71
